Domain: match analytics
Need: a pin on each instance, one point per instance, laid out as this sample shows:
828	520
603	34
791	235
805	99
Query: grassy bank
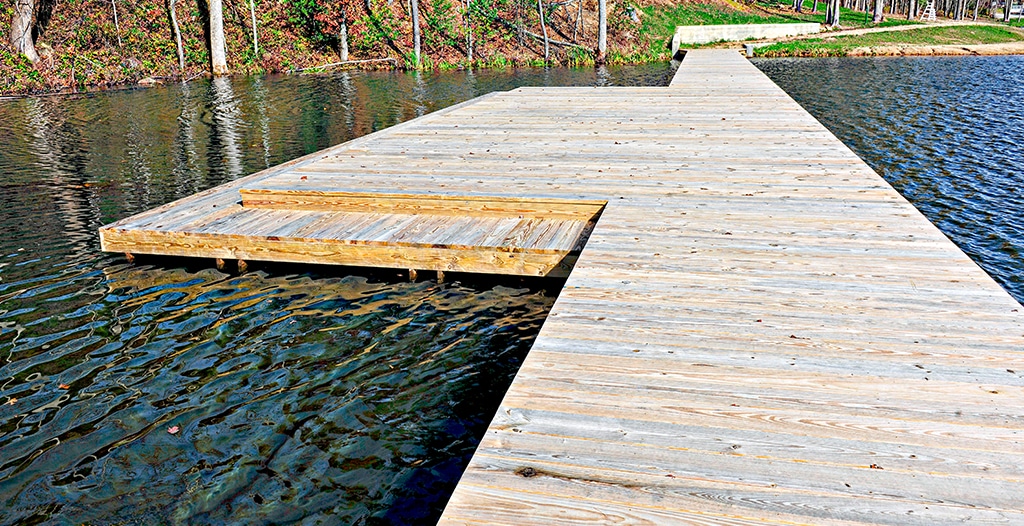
82	47
848	18
845	45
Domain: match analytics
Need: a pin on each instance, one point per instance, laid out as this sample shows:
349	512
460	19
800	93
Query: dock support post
243	267
440	276
412	274
219	263
130	257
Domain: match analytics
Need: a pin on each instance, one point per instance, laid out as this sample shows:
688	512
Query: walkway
759	330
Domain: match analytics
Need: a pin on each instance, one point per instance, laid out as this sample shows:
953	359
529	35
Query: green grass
843	44
660	22
848	18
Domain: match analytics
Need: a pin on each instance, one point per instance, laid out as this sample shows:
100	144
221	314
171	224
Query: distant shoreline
927	40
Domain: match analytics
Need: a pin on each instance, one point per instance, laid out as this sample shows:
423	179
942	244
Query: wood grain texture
759	330
465	206
497	235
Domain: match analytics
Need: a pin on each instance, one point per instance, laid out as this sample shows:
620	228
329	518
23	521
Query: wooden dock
759	329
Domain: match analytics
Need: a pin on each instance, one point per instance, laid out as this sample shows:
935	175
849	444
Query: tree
1007	4
544	28
255	38
415	8
177	35
21	29
832	13
469	31
218	55
877	15
602	30
343	37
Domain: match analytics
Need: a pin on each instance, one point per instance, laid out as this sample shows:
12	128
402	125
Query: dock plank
758	330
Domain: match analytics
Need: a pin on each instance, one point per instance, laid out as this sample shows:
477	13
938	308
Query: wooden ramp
759	330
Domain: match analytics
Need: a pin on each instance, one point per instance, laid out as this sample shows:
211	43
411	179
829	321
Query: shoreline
911	50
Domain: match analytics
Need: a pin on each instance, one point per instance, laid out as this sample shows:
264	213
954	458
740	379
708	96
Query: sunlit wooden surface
759	330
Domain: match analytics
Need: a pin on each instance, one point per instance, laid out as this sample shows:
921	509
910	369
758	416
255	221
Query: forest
71	45
77	43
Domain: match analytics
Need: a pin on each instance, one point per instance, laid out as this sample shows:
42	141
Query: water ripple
946	132
295	394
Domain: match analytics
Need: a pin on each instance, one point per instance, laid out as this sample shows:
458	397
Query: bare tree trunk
602	30
469	31
343	37
543	29
117	26
877	15
21	29
177	35
1006	10
814	8
911	9
218	55
832	13
415	4
579	20
976	4
255	38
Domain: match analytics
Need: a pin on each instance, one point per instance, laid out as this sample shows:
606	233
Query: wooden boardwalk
759	330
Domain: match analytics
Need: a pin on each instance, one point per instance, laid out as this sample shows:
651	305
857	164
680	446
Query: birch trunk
177	35
218	55
602	30
469	31
343	38
877	15
255	38
543	29
21	29
578	26
117	25
415	8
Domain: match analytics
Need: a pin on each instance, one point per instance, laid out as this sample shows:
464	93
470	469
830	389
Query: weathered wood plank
471	206
756	319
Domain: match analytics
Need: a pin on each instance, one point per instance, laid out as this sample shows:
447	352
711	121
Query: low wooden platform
498	235
759	330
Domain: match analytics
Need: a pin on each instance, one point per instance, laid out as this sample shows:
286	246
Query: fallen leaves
173	430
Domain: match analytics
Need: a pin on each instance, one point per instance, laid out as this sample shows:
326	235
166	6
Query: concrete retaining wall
706	34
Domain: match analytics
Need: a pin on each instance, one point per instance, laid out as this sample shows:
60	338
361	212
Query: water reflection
225	157
294	393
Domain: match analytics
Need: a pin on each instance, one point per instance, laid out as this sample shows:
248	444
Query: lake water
343	396
295	394
947	132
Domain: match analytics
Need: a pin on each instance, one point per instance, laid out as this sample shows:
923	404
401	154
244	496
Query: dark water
297	395
947	132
